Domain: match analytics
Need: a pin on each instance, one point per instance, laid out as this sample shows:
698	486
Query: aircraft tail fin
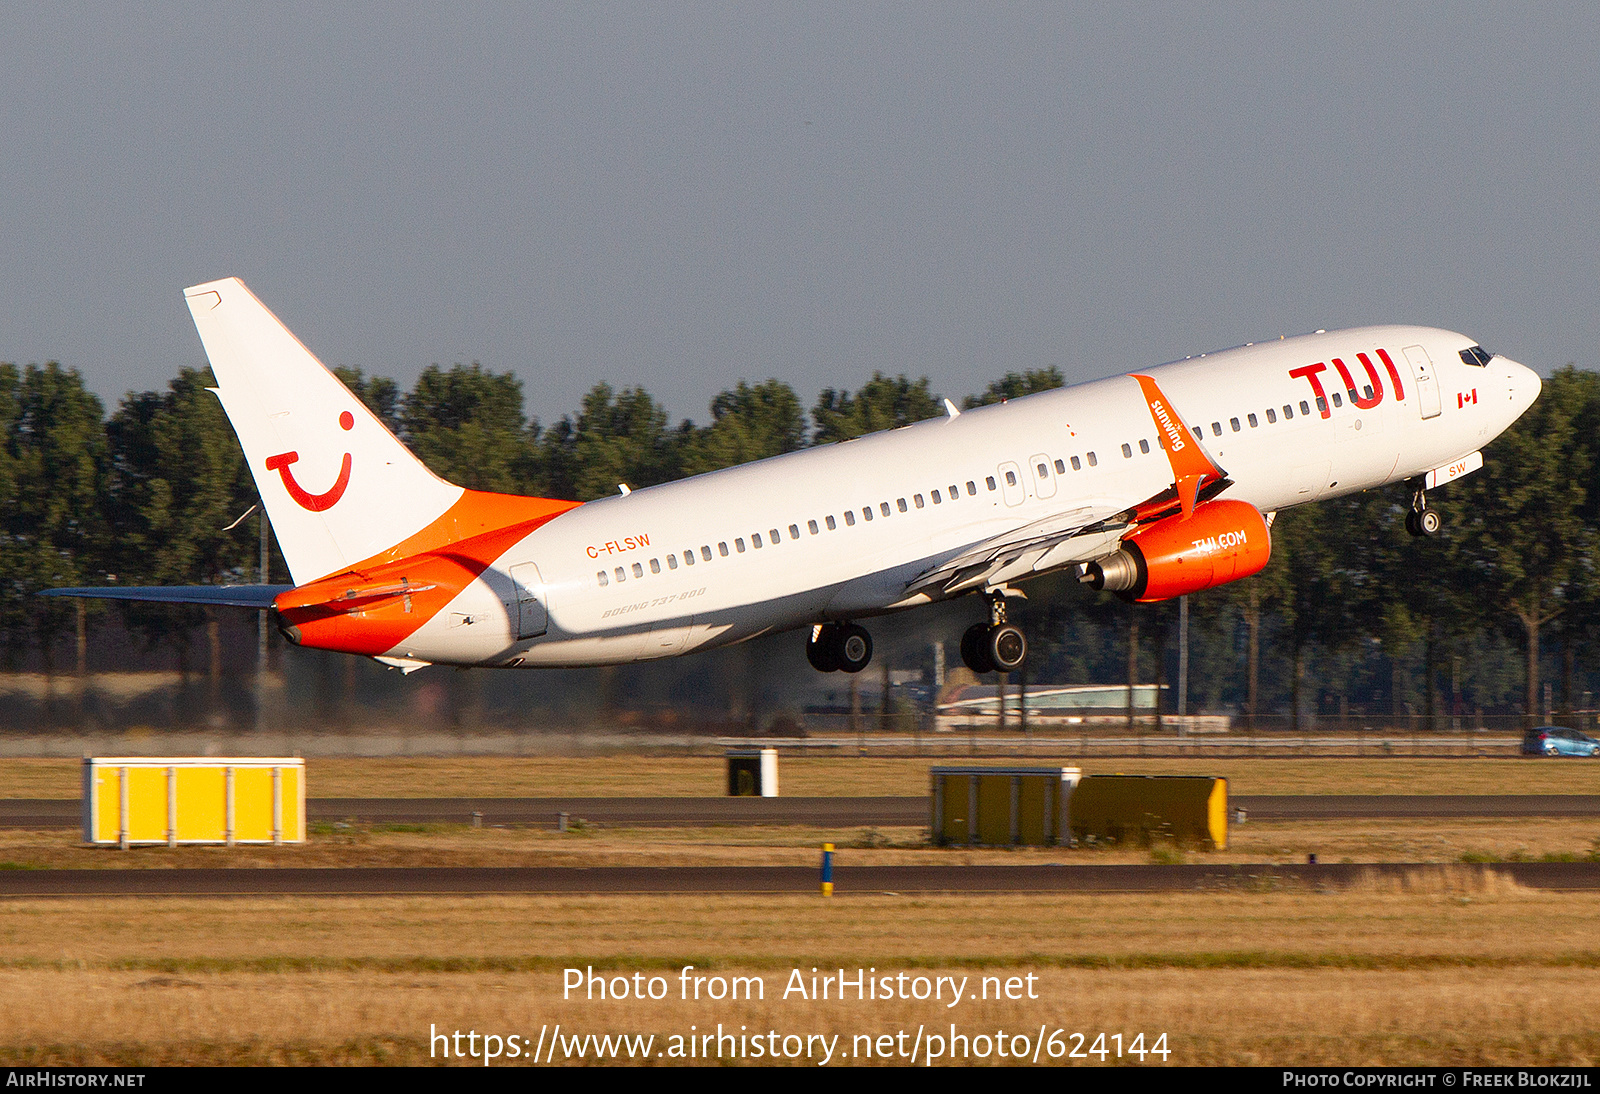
338	486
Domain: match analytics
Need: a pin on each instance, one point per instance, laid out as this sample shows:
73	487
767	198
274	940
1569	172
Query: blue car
1555	741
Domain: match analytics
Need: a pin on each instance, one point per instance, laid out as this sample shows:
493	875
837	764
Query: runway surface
886	812
746	880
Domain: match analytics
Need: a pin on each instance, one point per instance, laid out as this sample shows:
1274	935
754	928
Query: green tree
467	425
1014	385
882	403
178	480
751	422
380	394
619	437
1311	586
51	479
1532	549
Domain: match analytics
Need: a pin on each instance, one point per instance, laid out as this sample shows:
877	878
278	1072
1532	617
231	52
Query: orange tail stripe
377	604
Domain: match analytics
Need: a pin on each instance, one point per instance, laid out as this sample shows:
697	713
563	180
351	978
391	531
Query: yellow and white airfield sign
173	800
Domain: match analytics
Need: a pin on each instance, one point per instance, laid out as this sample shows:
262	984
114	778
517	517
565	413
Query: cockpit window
1476	355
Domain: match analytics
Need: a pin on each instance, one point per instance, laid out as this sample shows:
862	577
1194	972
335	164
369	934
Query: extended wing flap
1017	552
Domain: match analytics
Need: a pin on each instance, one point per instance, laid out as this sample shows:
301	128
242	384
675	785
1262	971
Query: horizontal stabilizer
217	596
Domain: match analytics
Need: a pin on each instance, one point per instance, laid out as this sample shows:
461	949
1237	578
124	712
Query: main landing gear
839	647
995	646
1422	521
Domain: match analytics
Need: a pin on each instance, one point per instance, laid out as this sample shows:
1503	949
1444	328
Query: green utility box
1001	806
1189	809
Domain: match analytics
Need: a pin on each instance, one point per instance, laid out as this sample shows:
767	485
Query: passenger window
621	575
1253	423
937	499
1322	406
918	499
722	549
1061	468
774	537
992	486
1011	478
867	512
1216	429
954	493
1144	446
1044	470
1288	412
1077	465
1272	416
1305	407
1235	423
602	579
705	552
655	566
1336	400
883	505
638	570
1367	389
972	489
811	526
1092	461
755	540
672	562
794	530
688	556
1127	451
833	527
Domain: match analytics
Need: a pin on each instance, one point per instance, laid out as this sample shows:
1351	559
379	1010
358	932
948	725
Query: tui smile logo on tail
316	503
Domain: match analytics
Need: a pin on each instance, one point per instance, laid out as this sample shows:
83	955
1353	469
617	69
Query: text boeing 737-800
1153	485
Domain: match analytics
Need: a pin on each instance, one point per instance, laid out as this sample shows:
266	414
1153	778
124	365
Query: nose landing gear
839	647
995	646
1422	521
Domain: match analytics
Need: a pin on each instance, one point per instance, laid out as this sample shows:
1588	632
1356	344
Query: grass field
341	845
634	775
1461	969
1469	973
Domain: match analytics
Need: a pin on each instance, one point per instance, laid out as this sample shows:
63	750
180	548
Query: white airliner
1152	485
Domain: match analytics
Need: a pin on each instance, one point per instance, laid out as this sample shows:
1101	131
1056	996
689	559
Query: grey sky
684	196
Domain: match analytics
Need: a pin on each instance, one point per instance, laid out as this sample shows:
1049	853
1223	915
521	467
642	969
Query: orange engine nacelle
1220	541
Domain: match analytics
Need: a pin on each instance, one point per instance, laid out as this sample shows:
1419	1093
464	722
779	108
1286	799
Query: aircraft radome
1152	485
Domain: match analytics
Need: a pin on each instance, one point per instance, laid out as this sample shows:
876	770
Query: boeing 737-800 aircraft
1152	485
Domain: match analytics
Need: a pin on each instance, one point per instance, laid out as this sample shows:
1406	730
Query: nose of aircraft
1523	383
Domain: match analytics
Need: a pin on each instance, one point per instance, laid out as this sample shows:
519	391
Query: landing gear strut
839	647
1422	521
995	646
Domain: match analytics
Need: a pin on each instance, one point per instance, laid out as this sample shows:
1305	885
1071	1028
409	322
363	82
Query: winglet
1191	467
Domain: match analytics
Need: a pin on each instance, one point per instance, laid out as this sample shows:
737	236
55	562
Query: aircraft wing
1092	529
220	596
1079	534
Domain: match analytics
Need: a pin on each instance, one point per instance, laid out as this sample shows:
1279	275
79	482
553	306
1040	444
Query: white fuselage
788	542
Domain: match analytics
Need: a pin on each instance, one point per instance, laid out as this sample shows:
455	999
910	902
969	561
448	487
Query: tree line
1352	613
